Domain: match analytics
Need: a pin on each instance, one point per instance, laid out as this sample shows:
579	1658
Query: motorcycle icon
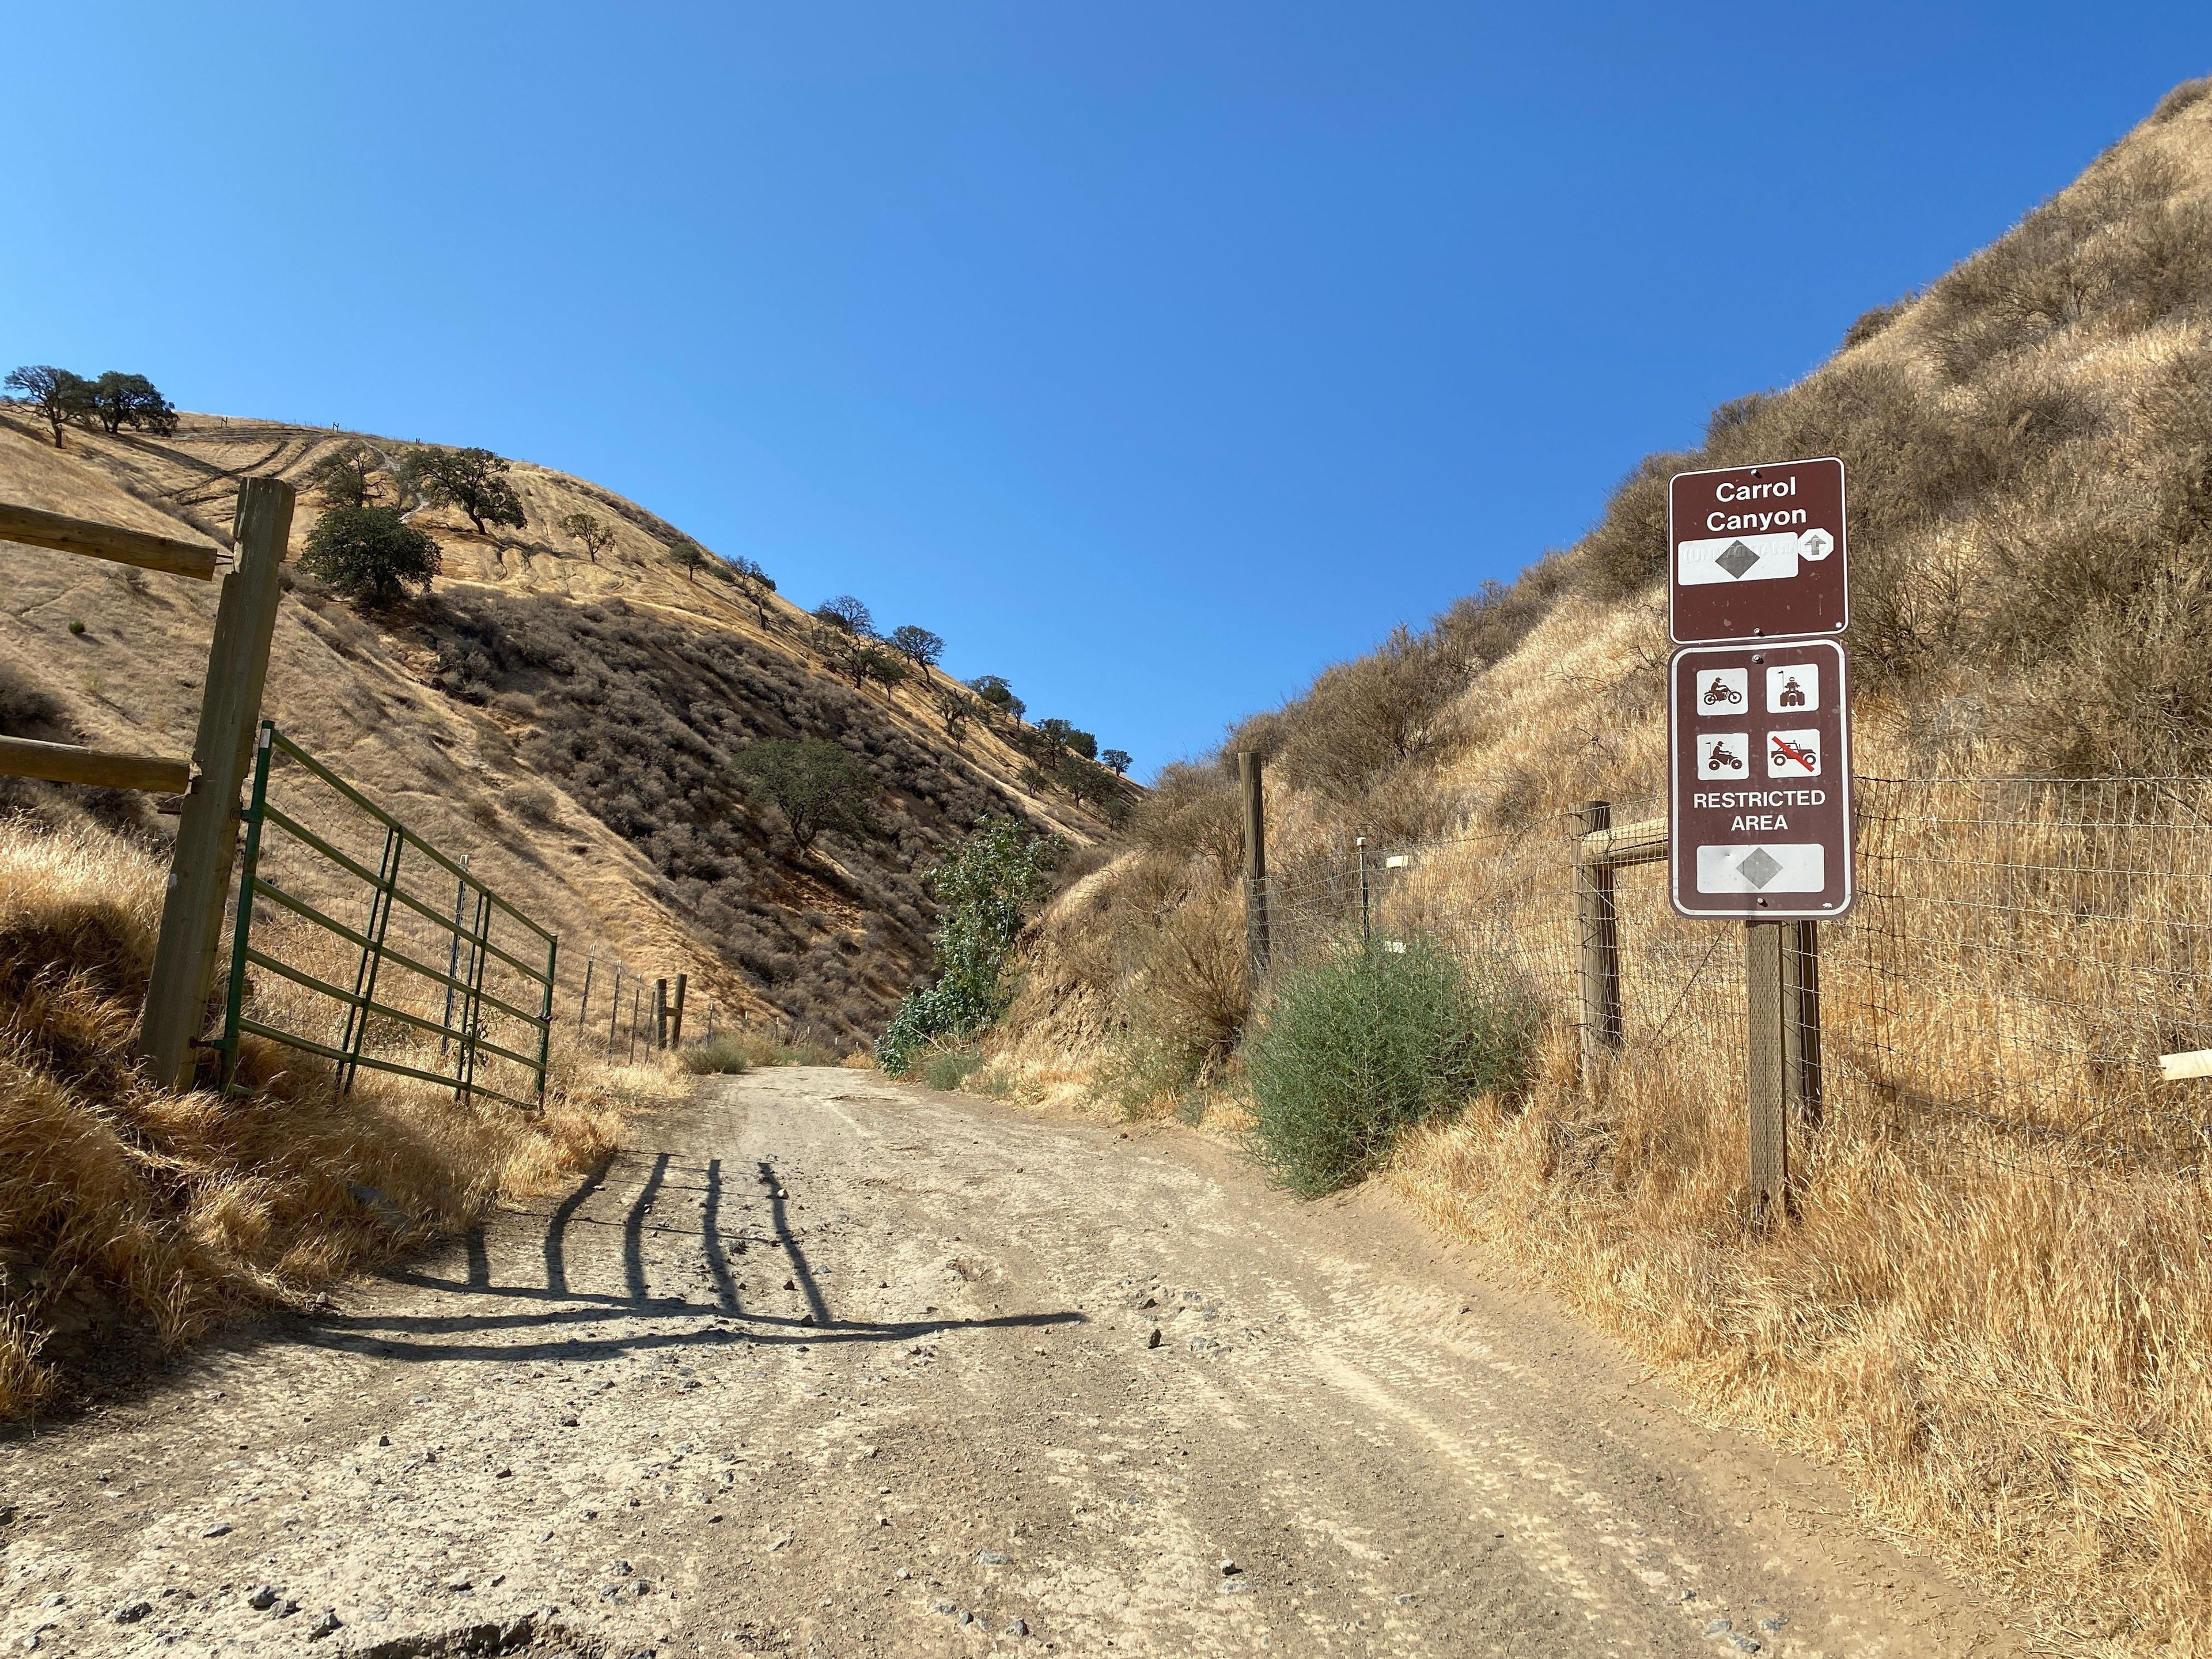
1720	691
1722	758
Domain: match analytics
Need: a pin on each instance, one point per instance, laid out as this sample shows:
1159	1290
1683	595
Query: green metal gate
490	988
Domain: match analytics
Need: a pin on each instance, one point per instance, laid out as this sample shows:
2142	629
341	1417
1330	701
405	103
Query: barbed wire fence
2023	953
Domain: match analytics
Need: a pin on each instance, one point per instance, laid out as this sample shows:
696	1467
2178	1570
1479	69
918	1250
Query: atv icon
1722	758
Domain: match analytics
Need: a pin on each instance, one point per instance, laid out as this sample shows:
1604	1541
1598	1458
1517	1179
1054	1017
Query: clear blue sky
1157	355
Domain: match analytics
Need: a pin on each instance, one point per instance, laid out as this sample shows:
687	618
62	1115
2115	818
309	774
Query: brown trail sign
1759	820
1756	552
1758	761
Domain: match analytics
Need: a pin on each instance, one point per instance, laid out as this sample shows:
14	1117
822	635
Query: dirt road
824	1365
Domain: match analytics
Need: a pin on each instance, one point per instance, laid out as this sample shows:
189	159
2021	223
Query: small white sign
1771	556
1721	692
1792	754
1724	754
1769	867
1794	690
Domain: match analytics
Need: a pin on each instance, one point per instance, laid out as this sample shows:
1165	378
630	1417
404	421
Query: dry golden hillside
566	721
1990	1308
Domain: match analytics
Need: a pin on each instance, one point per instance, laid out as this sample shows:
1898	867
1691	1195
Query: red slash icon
1786	750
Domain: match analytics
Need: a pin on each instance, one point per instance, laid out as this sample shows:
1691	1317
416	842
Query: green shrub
1371	1040
948	1068
986	885
370	554
725	1051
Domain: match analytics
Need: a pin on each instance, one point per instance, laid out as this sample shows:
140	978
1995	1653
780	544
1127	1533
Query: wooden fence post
1767	1083
676	1014
1800	1020
1598	928
1248	770
207	833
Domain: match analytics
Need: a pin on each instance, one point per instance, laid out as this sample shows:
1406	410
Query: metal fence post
1366	923
1250	766
1800	1020
372	959
614	1013
545	1016
656	1034
1598	934
676	1014
1766	1087
207	833
234	1004
453	955
584	1004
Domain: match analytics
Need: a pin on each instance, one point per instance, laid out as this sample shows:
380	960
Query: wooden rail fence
210	780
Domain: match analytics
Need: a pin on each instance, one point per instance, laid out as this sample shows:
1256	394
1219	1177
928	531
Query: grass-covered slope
567	720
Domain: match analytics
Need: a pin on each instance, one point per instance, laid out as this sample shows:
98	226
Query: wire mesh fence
2022	953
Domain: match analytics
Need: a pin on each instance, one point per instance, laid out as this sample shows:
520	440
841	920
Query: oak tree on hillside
956	708
1119	760
119	400
1055	737
848	613
689	557
873	662
346	477
56	393
596	534
921	644
839	651
369	554
812	783
996	694
754	583
474	480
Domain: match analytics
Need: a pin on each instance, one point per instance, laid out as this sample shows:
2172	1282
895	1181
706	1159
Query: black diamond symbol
1761	868
1737	559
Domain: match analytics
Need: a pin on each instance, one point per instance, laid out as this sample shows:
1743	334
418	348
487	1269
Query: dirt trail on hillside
826	1367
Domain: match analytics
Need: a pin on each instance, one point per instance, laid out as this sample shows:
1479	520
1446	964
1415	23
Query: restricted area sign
1756	552
1758	741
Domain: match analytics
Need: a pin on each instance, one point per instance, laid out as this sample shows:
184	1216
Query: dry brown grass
2011	1369
174	1213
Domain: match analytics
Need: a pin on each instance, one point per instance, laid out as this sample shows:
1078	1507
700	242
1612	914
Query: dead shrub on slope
133	1218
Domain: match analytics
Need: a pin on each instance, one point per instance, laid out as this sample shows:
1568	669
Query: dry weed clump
124	1209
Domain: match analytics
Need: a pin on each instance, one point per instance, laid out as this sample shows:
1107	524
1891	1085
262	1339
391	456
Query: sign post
1759	732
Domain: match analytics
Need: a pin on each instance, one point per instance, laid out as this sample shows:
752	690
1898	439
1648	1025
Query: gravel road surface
824	1365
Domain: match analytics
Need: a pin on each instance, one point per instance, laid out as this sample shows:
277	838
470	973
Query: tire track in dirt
823	1365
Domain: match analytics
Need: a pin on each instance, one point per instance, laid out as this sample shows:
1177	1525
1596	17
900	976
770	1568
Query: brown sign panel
1758	750
1756	552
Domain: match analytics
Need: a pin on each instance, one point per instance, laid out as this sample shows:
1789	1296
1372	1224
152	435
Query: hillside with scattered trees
647	742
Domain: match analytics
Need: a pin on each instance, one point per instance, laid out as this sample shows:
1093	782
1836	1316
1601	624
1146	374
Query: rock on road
823	1365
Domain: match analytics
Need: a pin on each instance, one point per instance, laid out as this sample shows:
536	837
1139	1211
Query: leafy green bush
986	885
370	554
1371	1040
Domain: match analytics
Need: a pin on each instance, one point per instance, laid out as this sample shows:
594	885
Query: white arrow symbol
1815	544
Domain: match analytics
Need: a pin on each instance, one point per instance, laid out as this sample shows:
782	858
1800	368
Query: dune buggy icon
1792	754
1721	754
1721	688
